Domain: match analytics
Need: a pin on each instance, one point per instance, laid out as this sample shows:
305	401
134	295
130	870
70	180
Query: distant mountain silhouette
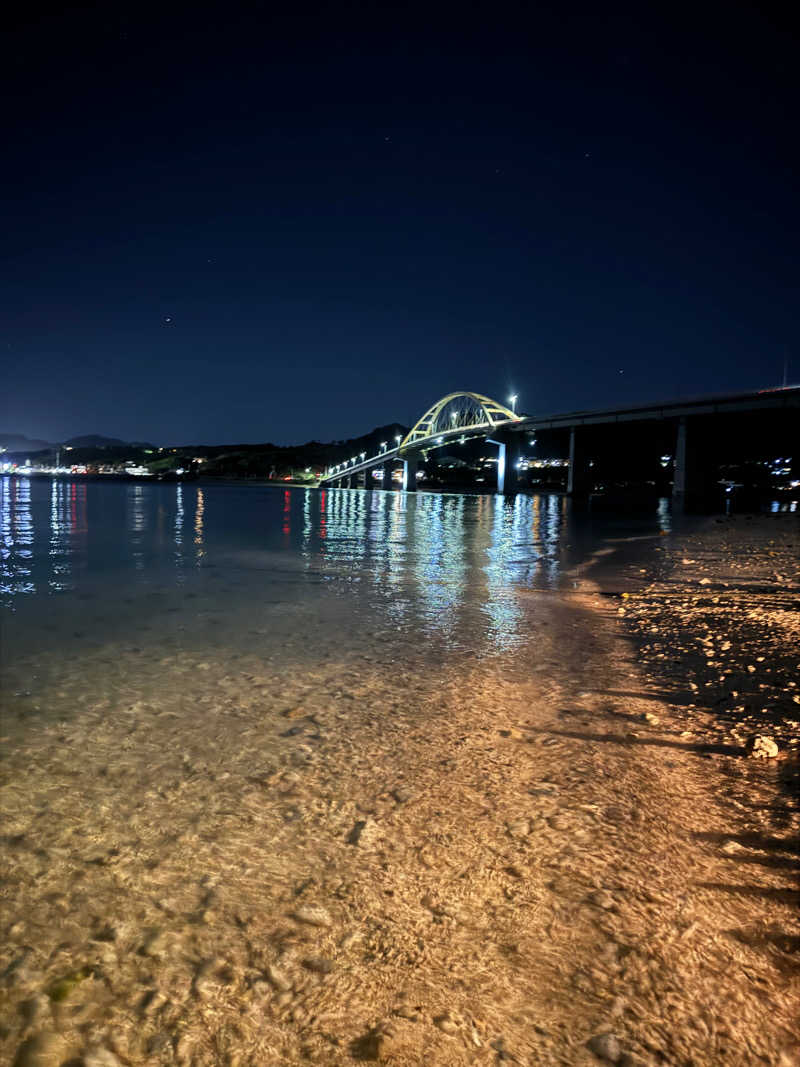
18	442
94	440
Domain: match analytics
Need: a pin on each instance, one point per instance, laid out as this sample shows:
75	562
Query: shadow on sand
629	740
773	853
778	854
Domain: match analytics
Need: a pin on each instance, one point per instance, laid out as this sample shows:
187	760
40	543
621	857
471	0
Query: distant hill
269	460
94	440
18	442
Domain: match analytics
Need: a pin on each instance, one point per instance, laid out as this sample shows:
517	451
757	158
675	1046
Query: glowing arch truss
466	411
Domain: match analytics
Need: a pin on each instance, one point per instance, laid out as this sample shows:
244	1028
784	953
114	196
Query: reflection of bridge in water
691	434
445	564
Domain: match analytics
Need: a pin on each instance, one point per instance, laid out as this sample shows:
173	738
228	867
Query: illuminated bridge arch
457	417
454	413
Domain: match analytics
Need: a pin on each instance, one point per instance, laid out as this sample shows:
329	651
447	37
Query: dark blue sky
228	226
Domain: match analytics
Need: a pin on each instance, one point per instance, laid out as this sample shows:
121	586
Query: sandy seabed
390	855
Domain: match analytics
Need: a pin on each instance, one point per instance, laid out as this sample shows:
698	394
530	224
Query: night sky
226	227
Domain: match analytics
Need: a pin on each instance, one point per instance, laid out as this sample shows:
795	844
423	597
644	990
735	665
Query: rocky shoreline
717	626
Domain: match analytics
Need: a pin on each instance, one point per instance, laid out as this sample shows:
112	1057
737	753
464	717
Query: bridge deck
705	405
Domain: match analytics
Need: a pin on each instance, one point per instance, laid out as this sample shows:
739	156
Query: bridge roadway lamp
513	402
398	437
383	445
362	455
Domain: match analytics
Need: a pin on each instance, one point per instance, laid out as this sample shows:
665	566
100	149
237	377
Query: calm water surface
138	570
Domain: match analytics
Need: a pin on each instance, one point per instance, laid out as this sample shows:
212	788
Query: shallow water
289	776
97	579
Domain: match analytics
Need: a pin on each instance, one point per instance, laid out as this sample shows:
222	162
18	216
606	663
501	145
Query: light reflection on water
449	566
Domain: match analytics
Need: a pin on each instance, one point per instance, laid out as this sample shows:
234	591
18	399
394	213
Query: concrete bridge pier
388	483
579	481
695	485
409	475
508	453
348	482
680	479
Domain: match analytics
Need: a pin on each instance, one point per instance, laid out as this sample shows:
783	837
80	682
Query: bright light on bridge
513	402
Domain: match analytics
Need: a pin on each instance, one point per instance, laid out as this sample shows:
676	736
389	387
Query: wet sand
397	856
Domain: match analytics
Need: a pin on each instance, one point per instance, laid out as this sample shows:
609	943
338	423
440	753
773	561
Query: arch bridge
689	432
457	417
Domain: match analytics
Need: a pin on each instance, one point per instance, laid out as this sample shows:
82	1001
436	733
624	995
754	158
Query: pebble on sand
606	1047
313	916
446	1023
518	827
758	746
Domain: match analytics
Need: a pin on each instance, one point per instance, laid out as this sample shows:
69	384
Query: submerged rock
279	979
318	964
35	1009
101	1057
602	899
156	945
46	1049
375	1044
